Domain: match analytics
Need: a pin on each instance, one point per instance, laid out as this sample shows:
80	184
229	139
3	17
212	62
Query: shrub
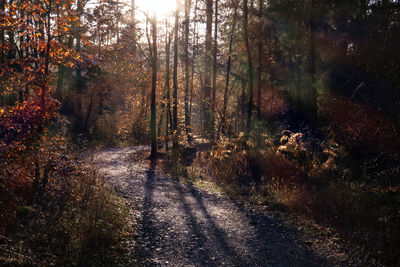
54	210
322	180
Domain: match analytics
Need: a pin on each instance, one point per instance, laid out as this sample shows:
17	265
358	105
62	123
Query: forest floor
181	224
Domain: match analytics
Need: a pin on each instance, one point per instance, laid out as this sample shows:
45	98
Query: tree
312	97
249	62
175	134
153	88
168	115
207	105
195	44
260	57
214	66
2	43
228	72
187	75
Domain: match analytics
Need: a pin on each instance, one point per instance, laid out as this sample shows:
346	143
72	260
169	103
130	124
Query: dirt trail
182	225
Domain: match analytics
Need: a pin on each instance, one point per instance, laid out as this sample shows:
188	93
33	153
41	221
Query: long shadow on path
149	231
258	239
184	226
211	240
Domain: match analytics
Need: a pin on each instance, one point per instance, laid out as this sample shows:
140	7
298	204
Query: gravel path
182	225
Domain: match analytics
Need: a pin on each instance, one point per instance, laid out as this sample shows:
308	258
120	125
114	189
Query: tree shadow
273	242
198	251
195	247
273	233
148	230
220	235
200	240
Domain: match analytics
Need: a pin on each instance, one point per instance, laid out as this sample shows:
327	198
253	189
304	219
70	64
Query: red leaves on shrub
21	124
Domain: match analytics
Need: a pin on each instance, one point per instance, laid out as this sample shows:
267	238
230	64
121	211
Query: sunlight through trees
297	100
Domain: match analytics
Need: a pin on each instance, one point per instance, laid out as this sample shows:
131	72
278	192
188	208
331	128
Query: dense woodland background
295	103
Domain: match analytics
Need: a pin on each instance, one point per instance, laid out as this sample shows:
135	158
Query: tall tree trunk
78	72
2	42
49	38
249	62
214	67
228	72
208	125
311	110
153	118
21	34
61	68
260	58
175	143
163	110
2	31
12	51
11	40
186	59
242	103
46	56
194	55
168	122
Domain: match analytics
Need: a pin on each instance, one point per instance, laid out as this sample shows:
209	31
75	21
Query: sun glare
161	7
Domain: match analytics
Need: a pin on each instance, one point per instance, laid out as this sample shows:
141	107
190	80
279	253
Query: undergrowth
72	219
54	208
299	174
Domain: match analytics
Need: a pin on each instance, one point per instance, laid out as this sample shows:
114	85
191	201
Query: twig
358	87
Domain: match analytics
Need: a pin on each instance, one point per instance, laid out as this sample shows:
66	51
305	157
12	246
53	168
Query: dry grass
71	218
323	186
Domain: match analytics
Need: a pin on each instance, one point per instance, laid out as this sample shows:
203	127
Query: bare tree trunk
187	78
260	58
153	118
2	54
168	122
214	68
61	68
208	125
312	97
175	143
243	103
46	55
202	106
2	31
249	61
195	45
163	110
21	54
12	52
78	74
228	72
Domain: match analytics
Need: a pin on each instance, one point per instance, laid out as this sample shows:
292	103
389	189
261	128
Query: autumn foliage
23	124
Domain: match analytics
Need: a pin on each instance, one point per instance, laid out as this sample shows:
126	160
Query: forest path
182	225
